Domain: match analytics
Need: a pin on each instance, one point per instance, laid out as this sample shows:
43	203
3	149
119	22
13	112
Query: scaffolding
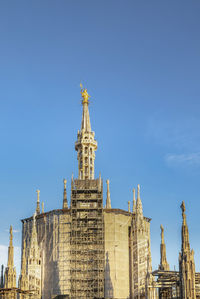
87	239
14	293
168	284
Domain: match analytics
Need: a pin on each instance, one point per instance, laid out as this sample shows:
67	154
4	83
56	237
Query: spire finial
134	201
185	232
162	234
183	211
108	201
11	235
38	202
84	94
65	205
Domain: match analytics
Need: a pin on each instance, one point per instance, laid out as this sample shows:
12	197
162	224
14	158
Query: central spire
85	145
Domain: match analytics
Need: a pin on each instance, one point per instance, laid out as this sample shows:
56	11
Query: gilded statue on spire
84	94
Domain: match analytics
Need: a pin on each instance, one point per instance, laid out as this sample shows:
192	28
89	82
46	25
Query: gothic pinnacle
163	258
10	272
11	250
185	232
108	201
65	205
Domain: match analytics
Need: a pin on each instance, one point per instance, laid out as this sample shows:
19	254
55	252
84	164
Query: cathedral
84	250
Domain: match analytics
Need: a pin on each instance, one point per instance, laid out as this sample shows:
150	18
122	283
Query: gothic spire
185	233
85	145
10	272
108	201
38	202
139	210
186	262
163	259
11	250
65	205
134	201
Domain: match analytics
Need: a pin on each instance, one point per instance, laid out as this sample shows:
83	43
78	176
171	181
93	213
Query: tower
186	262
87	225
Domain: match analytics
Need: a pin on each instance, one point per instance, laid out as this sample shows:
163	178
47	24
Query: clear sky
140	61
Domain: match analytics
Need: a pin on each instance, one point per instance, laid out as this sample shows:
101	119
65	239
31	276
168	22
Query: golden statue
84	94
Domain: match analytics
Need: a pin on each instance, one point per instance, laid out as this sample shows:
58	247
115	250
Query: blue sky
140	61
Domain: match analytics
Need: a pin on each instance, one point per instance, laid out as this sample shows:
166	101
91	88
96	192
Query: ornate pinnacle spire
10	272
11	250
108	201
185	233
163	259
86	145
65	205
186	262
139	210
134	201
38	202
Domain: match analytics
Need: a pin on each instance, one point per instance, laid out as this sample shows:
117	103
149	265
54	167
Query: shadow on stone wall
109	292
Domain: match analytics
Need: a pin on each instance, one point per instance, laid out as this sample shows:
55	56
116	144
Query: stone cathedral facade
84	250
